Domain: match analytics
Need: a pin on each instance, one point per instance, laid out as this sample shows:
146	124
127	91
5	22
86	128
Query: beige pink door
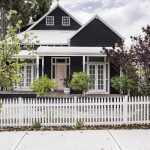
60	76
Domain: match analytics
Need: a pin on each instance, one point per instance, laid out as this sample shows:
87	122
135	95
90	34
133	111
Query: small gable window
65	21
50	20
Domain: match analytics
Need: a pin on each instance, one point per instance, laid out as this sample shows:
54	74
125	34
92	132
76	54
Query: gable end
96	33
57	13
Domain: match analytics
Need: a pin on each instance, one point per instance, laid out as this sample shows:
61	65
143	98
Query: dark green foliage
67	82
25	9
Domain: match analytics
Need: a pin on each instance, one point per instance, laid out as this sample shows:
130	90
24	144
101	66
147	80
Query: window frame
28	77
50	21
65	22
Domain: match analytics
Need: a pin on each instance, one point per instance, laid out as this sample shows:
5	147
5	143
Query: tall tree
135	62
141	52
10	47
4	6
25	8
122	60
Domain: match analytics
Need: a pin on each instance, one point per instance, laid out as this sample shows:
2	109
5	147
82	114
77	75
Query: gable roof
51	10
100	19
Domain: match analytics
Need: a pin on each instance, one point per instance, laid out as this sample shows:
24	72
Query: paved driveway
76	140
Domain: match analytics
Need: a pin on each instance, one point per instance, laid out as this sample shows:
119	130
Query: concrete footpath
76	140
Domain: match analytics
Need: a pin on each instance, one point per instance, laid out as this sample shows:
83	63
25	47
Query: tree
26	10
122	60
3	21
141	55
10	47
135	62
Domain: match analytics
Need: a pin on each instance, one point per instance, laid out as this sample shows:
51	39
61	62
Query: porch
59	63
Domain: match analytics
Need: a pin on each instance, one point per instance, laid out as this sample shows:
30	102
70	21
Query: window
50	20
28	76
65	21
96	59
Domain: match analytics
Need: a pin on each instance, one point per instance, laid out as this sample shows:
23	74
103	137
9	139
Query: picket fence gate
68	111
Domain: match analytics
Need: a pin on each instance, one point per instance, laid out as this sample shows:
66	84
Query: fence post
125	109
75	110
20	100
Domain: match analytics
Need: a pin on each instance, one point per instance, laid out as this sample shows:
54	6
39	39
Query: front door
98	77
60	76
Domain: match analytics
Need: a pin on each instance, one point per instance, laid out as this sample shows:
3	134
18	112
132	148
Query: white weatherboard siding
50	37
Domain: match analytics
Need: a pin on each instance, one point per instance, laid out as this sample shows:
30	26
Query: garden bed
66	128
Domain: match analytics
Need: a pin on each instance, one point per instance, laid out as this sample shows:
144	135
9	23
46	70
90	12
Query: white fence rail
69	111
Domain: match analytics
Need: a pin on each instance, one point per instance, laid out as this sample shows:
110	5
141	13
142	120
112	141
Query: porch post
43	66
37	66
83	63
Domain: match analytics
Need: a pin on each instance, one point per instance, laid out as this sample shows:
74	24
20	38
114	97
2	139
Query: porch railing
69	111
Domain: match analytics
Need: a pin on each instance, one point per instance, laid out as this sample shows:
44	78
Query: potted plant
67	84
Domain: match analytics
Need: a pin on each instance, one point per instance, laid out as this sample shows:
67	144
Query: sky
126	16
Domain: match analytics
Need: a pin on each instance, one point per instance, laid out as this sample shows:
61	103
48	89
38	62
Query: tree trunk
3	23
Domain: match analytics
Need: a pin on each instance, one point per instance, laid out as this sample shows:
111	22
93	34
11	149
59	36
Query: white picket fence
69	111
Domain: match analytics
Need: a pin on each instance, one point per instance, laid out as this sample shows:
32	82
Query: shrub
36	125
80	82
42	85
79	125
124	84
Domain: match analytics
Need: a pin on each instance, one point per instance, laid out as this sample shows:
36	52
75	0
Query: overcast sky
125	16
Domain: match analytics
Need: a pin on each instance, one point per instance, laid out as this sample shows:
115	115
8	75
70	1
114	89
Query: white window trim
108	79
25	87
50	23
96	74
54	64
65	17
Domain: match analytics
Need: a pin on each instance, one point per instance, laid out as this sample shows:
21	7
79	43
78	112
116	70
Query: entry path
76	140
